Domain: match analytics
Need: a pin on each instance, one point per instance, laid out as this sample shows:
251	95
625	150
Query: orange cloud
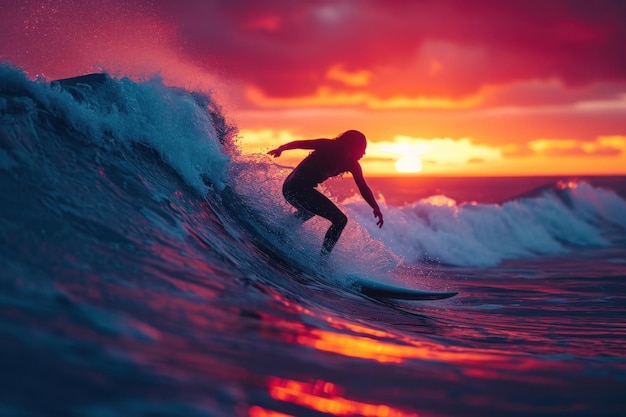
445	151
354	79
602	146
328	97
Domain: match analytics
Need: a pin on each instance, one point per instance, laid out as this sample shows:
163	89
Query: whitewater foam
117	114
440	230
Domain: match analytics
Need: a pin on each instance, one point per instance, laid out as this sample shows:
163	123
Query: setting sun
409	164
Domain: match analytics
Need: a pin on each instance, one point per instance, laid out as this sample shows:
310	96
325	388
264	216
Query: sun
409	164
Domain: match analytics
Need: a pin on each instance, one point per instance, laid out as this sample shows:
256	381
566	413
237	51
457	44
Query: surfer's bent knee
292	194
341	221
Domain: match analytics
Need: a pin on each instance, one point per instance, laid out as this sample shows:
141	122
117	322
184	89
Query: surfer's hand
379	216
275	152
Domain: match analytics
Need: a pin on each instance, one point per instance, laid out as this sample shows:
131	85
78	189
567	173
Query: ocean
149	268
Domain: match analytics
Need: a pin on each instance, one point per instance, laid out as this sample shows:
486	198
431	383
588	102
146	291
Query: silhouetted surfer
330	157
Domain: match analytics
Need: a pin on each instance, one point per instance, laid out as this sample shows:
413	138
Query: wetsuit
299	190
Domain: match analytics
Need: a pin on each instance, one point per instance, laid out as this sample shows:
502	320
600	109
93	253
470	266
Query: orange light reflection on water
256	411
383	352
334	322
326	397
372	346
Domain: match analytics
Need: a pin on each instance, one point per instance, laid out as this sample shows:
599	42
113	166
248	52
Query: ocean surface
151	269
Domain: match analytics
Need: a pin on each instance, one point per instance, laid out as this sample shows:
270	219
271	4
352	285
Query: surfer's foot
324	260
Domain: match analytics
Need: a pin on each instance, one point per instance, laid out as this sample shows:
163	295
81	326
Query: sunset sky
458	87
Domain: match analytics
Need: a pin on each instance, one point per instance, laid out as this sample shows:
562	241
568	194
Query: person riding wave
330	157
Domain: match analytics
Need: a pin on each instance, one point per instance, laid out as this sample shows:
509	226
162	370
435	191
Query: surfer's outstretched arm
297	144
366	192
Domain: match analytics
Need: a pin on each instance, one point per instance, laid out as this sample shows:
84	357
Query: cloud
448	48
356	79
327	97
406	53
602	146
442	150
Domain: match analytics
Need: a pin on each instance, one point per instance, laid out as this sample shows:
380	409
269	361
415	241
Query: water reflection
388	352
256	411
325	397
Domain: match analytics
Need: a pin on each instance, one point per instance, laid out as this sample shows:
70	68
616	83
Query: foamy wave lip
178	124
436	229
595	204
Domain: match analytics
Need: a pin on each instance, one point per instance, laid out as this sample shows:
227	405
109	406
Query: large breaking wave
93	153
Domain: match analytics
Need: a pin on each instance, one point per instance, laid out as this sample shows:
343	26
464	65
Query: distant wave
550	220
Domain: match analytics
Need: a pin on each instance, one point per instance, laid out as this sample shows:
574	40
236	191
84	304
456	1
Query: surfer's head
354	143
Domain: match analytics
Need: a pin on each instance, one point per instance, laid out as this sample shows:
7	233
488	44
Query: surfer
330	157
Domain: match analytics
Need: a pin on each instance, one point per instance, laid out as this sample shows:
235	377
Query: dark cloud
286	48
409	48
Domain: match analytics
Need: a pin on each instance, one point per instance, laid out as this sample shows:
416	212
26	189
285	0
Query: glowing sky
462	87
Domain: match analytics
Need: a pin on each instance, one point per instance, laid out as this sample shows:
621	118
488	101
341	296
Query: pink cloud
286	48
446	48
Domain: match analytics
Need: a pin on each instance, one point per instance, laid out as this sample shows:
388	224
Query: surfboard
379	290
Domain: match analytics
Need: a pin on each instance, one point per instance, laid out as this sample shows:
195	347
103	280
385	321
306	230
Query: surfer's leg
317	203
332	235
293	197
308	201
